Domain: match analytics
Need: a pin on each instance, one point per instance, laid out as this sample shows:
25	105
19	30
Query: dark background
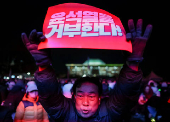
23	16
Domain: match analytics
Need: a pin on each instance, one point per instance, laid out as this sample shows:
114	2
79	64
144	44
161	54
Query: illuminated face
11	85
87	99
33	94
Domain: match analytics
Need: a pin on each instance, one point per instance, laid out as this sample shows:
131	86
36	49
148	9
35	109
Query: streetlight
28	73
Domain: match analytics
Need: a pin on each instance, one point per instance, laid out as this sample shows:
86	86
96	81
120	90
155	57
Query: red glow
169	100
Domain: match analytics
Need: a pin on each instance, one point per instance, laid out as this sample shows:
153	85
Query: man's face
87	99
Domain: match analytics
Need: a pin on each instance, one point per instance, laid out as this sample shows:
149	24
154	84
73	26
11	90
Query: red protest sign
75	25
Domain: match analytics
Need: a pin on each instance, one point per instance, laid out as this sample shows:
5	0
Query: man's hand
138	41
40	56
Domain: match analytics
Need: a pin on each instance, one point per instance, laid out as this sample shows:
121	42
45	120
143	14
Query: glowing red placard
74	25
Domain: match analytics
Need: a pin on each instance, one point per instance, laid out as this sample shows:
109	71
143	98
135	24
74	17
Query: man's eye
80	95
92	96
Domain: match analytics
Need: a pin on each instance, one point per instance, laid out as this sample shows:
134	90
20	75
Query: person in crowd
15	96
163	107
154	87
138	112
145	95
86	103
147	108
5	112
111	83
164	87
154	83
10	84
73	81
67	89
105	88
153	102
3	91
62	82
159	107
30	109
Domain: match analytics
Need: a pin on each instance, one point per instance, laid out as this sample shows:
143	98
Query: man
86	103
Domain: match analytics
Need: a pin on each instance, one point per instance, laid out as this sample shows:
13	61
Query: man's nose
85	101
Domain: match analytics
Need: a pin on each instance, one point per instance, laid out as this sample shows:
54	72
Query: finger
39	34
128	36
139	27
25	39
148	31
131	27
33	35
41	37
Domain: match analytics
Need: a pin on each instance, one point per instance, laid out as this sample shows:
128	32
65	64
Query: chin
85	116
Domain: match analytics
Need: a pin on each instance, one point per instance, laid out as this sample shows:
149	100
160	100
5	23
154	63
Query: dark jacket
14	97
112	109
5	114
3	92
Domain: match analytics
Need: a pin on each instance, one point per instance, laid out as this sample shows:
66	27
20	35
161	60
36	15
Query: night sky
18	17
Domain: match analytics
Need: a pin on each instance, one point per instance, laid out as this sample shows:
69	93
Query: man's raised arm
49	90
127	87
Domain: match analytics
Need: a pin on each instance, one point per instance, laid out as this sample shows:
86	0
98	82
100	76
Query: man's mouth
85	111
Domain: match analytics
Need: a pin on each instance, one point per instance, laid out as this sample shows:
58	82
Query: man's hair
93	80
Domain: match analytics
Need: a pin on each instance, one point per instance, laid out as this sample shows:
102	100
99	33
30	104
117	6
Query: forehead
87	87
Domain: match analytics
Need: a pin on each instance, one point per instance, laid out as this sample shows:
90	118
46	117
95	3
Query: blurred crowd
152	105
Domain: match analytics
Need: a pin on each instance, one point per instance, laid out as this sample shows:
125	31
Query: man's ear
74	98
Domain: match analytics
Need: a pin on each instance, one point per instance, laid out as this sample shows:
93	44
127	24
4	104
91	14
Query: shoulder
27	103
